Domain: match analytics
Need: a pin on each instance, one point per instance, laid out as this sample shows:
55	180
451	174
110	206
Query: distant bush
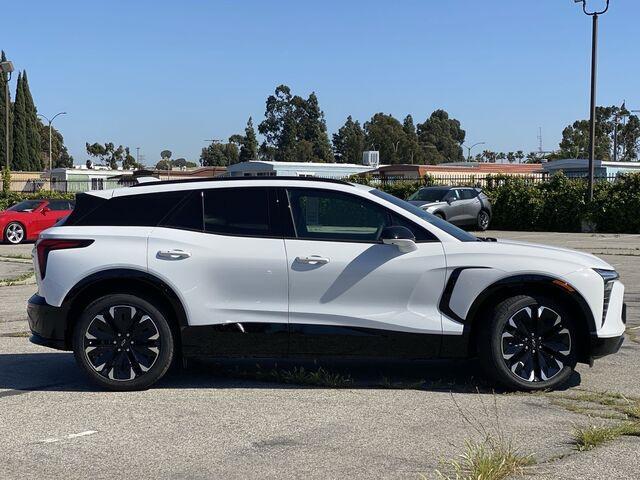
8	199
558	204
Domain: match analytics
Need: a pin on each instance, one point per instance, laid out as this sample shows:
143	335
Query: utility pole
594	66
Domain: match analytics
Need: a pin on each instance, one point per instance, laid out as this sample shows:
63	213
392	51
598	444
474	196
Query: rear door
349	294
223	253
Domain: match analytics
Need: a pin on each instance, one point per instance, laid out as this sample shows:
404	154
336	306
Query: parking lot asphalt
393	420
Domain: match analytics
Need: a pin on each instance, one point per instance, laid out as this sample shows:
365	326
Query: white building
257	168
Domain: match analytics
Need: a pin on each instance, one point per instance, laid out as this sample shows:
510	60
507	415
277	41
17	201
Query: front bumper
48	324
601	347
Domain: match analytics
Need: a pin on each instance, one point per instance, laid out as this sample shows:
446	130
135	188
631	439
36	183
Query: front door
349	294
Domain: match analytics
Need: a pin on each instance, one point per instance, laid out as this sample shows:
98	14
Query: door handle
313	260
172	254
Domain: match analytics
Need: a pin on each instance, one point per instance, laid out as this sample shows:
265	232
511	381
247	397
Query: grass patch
587	438
15	334
488	460
632	334
16	255
295	376
17	280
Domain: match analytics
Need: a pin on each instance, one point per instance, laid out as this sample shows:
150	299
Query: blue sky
169	74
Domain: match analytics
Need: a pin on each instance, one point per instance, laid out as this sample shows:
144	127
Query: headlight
607	275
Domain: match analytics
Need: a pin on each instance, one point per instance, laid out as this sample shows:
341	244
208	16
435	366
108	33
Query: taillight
46	245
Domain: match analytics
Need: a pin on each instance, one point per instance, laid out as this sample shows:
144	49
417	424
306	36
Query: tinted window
58	205
467	194
145	210
453	195
432	219
237	211
187	215
329	215
26	206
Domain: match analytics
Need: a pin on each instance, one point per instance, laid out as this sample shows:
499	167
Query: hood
422	203
547	251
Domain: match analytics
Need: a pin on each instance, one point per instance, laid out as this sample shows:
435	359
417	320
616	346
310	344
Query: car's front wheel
123	342
529	343
14	233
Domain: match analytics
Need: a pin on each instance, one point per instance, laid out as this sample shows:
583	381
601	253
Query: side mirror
449	200
401	237
45	210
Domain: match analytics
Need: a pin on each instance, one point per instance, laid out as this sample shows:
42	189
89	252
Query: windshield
432	219
429	195
26	206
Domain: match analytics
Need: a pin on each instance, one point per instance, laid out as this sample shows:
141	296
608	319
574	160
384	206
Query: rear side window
467	194
237	211
58	205
145	210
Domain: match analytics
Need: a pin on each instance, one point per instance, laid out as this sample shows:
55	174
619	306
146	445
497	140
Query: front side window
58	205
26	206
237	211
452	196
429	195
337	216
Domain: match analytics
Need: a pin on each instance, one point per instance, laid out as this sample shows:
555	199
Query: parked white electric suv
138	277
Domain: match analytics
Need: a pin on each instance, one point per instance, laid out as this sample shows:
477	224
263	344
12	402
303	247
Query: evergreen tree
219	154
61	157
385	134
3	108
441	138
249	143
20	155
348	143
33	132
410	151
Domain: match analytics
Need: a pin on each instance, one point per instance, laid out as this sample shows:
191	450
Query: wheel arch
123	280
543	285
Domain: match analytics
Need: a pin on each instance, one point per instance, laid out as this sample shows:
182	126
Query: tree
60	154
249	143
3	108
519	156
34	151
410	150
165	154
294	128
219	154
441	138
384	133
20	155
107	153
628	138
348	142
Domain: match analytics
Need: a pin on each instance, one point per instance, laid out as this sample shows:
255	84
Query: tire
440	215
123	342
15	233
482	222
516	360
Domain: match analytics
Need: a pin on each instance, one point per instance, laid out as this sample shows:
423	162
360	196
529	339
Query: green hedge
557	204
8	199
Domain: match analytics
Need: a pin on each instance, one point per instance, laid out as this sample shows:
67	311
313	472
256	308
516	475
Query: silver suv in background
458	205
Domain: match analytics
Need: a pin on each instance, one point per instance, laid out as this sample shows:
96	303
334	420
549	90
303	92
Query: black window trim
287	212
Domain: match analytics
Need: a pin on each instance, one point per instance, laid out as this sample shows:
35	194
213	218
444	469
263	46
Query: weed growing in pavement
296	376
16	280
492	458
589	437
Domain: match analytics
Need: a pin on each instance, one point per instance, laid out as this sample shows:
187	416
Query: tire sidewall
167	343
503	373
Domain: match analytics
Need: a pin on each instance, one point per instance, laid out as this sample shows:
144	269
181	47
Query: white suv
139	277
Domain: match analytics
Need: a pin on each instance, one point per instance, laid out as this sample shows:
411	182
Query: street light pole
5	71
594	66
469	149
50	122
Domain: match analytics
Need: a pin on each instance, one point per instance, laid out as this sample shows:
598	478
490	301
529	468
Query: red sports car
27	219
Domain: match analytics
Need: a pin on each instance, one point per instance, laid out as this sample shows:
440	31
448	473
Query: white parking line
69	437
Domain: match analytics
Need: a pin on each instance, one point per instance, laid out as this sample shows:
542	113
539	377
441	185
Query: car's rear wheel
529	343
14	233
440	215
483	220
123	342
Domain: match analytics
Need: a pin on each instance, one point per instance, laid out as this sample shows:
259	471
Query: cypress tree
249	148
20	154
33	131
3	109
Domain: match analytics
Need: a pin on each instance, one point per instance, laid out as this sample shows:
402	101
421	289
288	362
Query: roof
240	179
469	168
299	165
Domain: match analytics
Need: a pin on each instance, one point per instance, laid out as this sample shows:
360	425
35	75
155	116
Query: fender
454	346
124	277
